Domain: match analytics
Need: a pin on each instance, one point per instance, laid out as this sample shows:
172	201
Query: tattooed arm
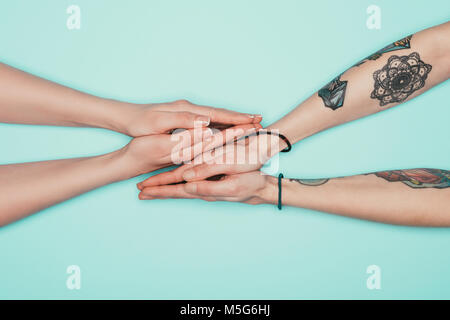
418	197
410	197
392	75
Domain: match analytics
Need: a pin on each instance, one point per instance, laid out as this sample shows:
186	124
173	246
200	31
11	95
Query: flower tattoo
399	78
333	93
418	178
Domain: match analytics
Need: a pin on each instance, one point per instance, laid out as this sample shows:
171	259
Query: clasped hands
220	158
214	147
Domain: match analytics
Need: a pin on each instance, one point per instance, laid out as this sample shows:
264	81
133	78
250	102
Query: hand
148	153
141	120
243	156
251	187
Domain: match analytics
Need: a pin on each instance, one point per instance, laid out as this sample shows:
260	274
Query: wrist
135	158
114	166
120	115
266	146
280	143
269	193
126	165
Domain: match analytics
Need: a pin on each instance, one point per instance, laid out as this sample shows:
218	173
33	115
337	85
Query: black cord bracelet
280	176
281	136
287	149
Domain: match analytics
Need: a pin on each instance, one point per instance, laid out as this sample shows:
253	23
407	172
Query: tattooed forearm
333	93
418	178
397	45
399	78
415	178
310	182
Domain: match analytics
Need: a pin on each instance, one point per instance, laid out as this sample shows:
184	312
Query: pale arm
30	187
28	99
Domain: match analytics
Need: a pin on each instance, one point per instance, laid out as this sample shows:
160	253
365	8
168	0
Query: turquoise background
252	56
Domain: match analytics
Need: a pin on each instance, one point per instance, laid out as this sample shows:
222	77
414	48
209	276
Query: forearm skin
358	83
416	197
30	187
27	99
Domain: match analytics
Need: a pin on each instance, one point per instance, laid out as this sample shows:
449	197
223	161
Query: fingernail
139	186
204	120
191	187
207	133
188	175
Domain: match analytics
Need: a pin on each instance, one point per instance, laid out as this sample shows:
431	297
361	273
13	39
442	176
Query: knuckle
188	116
181	102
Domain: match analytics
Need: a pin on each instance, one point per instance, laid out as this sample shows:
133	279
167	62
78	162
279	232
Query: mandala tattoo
310	182
333	93
404	43
418	178
399	78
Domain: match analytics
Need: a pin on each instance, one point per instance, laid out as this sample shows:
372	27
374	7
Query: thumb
180	120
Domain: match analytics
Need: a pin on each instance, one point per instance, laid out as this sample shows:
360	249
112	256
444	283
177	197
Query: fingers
230	187
165	178
229	159
204	171
203	167
194	143
231	134
217	115
167	121
174	145
222	188
181	139
170	192
220	115
218	139
173	191
240	187
207	190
